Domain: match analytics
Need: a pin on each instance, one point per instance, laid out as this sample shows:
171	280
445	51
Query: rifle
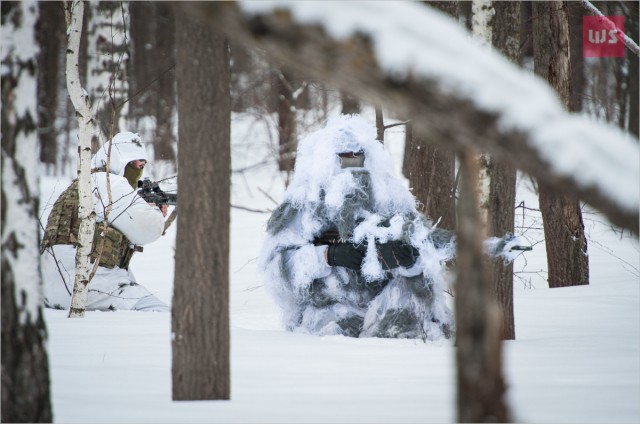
439	238
151	192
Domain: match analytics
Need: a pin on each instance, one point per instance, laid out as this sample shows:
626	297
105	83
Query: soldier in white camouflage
132	223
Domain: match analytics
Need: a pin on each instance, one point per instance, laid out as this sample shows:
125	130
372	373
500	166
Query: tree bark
50	35
482	24
430	168
575	13
379	124
481	386
566	243
142	96
350	104
165	109
285	105
502	186
25	370
86	122
200	311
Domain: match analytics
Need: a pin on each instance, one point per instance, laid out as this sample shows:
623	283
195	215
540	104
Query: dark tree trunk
575	12
566	244
502	186
25	369
143	66
200	312
431	174
165	108
526	33
631	21
285	105
50	35
481	386
350	104
431	168
380	124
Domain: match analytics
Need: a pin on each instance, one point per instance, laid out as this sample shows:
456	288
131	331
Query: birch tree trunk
86	213
25	370
482	13
567	258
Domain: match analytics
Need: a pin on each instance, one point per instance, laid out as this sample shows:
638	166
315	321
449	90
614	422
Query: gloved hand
348	255
394	254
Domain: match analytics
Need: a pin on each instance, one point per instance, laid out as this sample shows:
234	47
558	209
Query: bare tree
286	108
25	370
350	104
200	309
502	185
144	68
567	258
50	35
165	138
429	167
481	386
74	13
380	124
152	77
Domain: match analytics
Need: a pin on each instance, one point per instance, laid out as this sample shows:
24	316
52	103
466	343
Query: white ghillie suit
364	205
113	286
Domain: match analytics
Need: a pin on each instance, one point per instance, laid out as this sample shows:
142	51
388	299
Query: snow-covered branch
425	68
624	37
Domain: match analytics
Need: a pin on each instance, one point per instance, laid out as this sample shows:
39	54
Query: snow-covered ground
576	357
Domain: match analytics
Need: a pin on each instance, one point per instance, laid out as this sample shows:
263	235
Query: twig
386	127
267	195
250	210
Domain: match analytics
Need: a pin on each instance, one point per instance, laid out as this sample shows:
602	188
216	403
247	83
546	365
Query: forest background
131	71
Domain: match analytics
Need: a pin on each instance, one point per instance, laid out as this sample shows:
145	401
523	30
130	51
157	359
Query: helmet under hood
126	146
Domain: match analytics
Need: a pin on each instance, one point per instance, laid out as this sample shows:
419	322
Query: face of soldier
351	159
133	172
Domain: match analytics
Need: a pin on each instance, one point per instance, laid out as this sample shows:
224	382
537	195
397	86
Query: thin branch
244	208
623	37
386	127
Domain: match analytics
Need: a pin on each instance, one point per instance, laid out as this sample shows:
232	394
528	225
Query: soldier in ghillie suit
347	252
132	223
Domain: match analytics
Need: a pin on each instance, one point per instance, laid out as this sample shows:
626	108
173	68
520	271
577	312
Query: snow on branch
426	68
624	37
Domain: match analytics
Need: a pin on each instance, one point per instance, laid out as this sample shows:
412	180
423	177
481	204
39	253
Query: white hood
126	146
318	166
